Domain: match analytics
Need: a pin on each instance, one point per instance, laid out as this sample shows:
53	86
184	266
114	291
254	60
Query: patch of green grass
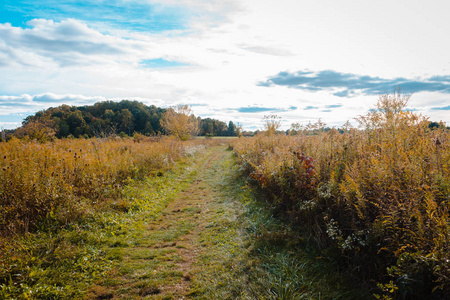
45	266
150	260
193	210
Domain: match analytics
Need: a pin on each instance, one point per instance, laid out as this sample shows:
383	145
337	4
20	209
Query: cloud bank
349	85
11	103
69	42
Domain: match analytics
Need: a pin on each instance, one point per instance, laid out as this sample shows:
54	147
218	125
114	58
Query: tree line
123	118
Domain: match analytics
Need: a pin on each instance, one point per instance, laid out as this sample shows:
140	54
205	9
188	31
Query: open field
304	216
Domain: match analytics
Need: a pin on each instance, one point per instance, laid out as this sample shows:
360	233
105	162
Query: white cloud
27	103
9	125
66	43
206	13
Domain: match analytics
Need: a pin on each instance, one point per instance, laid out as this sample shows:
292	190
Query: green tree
125	121
231	129
76	123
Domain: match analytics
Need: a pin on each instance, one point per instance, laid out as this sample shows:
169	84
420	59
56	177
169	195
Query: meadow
62	203
61	181
330	205
375	200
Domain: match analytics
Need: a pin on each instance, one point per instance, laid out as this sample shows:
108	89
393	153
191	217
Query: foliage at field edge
376	199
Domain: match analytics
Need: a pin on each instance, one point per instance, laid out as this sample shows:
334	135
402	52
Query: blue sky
130	15
161	63
233	60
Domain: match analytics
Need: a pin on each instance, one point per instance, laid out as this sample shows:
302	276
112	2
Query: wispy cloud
256	109
198	104
32	103
333	106
441	108
259	109
325	108
348	85
266	50
309	107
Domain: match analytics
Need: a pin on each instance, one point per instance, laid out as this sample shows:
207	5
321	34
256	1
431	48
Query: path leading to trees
213	241
181	226
166	259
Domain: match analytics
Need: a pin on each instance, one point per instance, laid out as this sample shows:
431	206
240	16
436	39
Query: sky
237	60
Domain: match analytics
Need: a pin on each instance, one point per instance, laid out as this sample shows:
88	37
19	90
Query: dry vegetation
375	198
180	122
62	180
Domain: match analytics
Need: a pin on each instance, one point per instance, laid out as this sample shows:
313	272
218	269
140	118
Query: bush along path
212	240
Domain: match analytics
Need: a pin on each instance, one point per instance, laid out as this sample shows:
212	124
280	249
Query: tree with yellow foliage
41	131
180	122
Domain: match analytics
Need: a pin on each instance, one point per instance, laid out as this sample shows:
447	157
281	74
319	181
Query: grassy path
158	261
213	241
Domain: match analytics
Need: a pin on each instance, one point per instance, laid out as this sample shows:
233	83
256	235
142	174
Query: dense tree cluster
109	118
100	119
212	127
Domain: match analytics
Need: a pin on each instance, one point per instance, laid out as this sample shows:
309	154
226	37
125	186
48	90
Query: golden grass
380	193
62	179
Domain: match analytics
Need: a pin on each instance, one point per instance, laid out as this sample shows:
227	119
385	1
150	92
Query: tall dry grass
63	179
379	195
